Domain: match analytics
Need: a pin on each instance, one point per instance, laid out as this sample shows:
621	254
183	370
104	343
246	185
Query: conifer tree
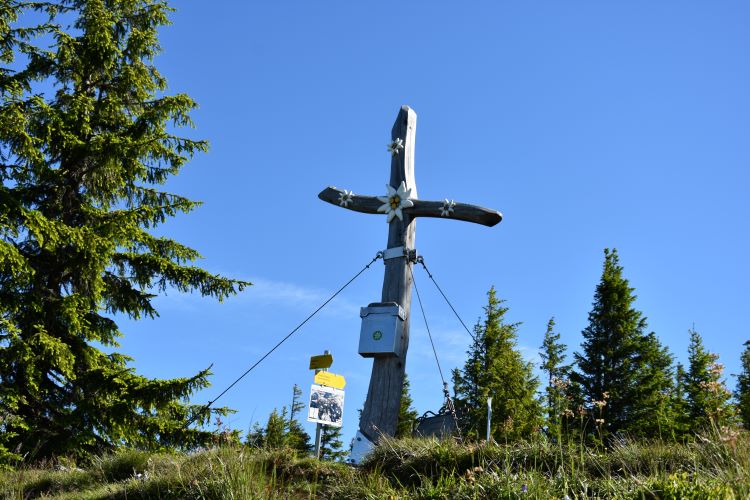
296	437
406	413
553	356
679	404
742	392
274	435
469	395
707	396
331	444
495	368
255	436
87	136
651	414
621	369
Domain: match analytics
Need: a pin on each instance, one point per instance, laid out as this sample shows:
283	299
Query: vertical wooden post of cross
402	206
380	413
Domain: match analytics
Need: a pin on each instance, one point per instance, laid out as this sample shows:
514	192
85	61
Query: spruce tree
274	435
707	396
495	368
87	136
255	436
621	369
742	392
679	404
651	414
469	395
553	356
406	413
296	436
331	444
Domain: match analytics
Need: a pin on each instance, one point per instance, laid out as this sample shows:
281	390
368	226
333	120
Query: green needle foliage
624	374
331	445
86	139
496	368
407	415
742	392
707	396
552	353
296	437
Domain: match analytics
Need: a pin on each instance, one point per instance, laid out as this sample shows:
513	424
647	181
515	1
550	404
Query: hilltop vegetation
715	467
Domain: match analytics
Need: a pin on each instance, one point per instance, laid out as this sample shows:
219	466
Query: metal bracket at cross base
398	252
361	447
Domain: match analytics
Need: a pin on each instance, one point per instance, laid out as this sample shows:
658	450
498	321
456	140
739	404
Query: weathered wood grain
380	413
421	208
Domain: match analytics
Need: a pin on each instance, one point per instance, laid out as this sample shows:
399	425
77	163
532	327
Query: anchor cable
424	316
379	255
420	260
449	406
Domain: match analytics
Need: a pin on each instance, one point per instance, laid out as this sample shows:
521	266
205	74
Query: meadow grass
707	468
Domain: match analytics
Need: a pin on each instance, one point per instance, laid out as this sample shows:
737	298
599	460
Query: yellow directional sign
330	379
321	362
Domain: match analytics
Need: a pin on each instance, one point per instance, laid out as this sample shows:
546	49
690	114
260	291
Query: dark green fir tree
652	414
88	134
622	372
742	392
255	436
331	446
274	435
296	436
679	404
407	415
495	368
553	355
707	395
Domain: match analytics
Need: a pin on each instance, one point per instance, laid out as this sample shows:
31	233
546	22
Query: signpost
321	362
326	397
330	379
401	207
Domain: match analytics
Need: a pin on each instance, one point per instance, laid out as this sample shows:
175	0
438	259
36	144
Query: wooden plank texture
421	208
380	413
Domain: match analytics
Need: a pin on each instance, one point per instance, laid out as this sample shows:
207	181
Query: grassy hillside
707	469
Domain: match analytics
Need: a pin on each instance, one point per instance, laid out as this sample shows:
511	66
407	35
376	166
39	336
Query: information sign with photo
326	405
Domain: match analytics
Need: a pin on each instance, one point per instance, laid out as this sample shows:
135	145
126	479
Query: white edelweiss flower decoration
395	146
345	198
447	207
395	200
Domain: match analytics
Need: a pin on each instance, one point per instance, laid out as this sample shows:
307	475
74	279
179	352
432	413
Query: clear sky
587	124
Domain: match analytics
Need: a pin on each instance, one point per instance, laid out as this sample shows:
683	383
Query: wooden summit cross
400	204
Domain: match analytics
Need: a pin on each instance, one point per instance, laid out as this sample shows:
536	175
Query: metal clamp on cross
401	206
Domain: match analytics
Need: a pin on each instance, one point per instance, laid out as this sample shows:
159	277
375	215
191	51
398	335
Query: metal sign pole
318	436
319	426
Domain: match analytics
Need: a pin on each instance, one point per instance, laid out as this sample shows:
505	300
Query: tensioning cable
420	260
449	406
379	255
427	327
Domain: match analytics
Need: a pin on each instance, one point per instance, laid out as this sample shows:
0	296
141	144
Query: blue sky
588	124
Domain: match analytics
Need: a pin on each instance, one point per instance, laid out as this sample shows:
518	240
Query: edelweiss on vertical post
396	146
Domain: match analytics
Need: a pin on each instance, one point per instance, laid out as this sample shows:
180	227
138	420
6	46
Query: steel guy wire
379	255
420	260
446	393
424	316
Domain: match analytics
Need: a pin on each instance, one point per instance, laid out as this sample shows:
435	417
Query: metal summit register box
382	329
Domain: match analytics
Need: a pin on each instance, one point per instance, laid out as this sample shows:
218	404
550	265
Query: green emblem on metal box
377	335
